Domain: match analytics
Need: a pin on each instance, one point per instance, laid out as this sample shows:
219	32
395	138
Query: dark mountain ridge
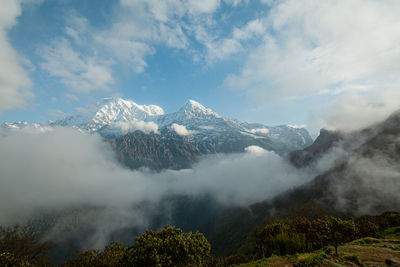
364	181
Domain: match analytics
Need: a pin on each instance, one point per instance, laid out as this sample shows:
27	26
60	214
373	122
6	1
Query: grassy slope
362	252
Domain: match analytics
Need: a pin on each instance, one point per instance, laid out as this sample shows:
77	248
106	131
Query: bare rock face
138	149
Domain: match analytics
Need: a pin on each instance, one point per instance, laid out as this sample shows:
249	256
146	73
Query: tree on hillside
341	231
112	254
168	247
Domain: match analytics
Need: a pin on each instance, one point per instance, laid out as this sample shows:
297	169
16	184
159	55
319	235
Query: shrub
393	232
392	219
279	238
370	226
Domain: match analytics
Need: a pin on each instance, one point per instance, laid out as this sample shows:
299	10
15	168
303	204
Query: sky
332	64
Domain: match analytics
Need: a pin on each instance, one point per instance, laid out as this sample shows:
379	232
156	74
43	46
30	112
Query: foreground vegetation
296	241
361	252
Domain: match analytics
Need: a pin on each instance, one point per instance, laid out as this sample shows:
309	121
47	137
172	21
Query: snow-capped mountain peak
118	109
111	110
193	109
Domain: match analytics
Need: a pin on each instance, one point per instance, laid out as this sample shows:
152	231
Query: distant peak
193	108
116	100
193	104
129	105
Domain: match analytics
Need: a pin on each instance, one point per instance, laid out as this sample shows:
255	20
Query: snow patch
207	127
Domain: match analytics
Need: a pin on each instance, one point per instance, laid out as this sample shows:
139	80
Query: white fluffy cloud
136	30
325	47
15	85
351	112
318	45
78	73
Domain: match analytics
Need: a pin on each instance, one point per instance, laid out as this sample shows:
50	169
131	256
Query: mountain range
145	136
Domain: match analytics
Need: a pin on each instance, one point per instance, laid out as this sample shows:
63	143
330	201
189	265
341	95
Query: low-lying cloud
370	181
181	129
131	126
63	168
354	112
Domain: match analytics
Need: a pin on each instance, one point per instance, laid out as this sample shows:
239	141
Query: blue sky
305	62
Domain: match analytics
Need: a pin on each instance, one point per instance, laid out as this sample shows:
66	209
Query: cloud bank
63	168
